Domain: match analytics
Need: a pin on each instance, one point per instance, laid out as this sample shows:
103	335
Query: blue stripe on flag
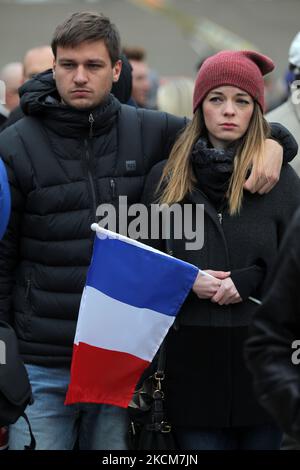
140	277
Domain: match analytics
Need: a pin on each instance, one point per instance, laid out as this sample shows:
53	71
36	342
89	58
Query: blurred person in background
3	438
288	113
36	60
154	84
12	76
122	89
141	84
273	348
176	97
274	92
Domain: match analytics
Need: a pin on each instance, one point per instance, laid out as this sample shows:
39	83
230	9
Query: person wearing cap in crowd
208	389
288	113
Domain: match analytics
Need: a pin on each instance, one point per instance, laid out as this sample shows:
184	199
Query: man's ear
117	70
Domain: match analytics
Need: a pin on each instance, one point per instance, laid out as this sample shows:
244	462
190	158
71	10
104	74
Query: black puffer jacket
273	350
61	166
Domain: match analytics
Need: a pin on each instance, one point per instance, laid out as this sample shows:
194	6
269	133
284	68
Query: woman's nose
229	108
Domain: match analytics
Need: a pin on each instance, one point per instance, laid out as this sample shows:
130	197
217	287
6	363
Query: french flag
131	298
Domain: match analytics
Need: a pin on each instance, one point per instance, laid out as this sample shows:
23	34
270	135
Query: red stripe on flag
102	376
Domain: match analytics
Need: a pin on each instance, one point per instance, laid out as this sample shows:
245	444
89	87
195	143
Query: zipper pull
220	217
113	187
91	121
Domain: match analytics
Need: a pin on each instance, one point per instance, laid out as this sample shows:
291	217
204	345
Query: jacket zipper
88	159
220	219
230	350
219	214
91	121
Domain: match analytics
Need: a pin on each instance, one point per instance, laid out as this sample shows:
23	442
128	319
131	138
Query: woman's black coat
207	381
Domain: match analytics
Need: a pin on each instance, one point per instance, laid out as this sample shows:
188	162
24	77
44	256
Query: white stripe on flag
122	327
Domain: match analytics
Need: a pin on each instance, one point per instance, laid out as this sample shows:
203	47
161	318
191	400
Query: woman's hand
227	293
206	286
268	177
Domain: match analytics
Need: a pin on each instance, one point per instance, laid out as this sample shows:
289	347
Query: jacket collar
40	98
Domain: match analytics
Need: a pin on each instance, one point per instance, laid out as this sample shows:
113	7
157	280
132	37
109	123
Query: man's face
84	74
140	82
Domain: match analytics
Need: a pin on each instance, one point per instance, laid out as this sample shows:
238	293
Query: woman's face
227	111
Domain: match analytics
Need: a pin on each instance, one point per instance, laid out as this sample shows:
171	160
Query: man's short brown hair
87	26
135	53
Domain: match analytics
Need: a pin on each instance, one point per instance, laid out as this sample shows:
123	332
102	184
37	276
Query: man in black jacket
76	148
273	350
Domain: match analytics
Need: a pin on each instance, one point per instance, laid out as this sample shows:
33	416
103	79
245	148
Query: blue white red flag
131	298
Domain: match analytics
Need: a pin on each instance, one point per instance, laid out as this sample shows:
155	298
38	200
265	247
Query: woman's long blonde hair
178	178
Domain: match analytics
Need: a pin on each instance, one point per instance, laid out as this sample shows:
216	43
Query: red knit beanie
242	69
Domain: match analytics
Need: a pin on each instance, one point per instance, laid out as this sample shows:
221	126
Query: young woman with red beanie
209	396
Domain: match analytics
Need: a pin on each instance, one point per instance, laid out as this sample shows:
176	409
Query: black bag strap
32	444
161	363
158	416
131	158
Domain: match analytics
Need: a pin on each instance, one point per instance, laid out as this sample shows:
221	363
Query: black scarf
213	169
